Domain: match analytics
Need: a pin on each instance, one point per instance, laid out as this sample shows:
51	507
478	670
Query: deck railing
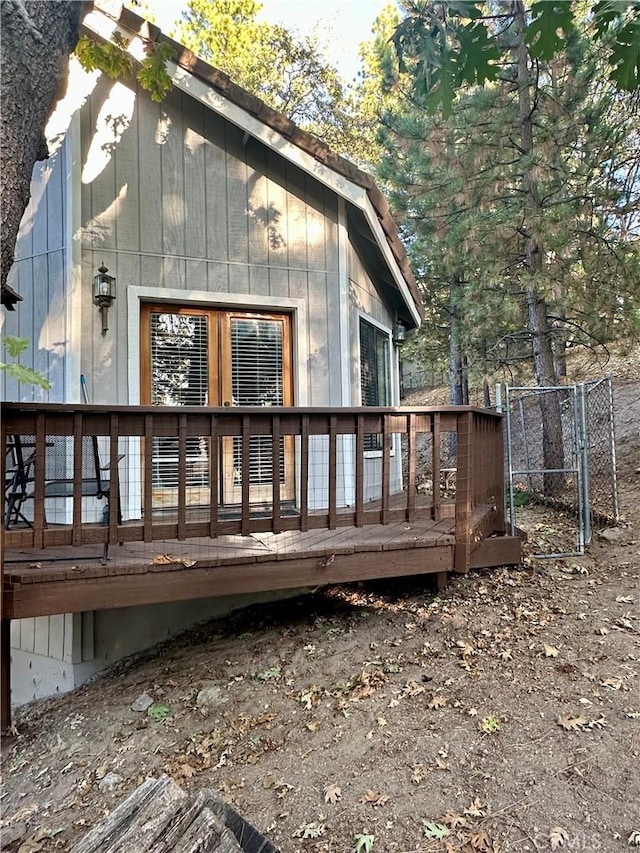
323	468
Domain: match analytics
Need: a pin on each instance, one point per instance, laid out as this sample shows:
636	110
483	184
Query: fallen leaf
612	683
313	726
481	841
437	701
454	820
435	830
164	559
332	794
634	838
558	837
186	771
466	648
419	774
572	724
550	651
375	798
310	830
476	809
624	599
364	843
441	765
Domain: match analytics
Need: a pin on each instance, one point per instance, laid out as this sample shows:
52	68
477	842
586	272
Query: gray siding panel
215	180
195	180
174	200
237	207
151	131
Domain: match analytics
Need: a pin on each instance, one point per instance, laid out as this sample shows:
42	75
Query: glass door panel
256	353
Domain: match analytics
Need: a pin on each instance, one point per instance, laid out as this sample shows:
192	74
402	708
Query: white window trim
216	300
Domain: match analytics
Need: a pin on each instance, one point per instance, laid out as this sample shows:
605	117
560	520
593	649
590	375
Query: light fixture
399	333
104	292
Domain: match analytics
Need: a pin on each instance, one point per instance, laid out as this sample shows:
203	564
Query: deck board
68	579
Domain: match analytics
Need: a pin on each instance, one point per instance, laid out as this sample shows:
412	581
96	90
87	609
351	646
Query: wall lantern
399	334
104	292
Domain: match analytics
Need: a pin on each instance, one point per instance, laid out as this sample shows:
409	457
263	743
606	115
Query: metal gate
581	485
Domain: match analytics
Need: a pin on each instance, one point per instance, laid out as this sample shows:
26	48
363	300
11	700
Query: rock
142	703
612	535
210	697
110	781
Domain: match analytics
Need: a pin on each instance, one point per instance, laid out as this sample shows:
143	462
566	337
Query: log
159	817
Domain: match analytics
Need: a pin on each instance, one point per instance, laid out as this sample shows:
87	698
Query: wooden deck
66	580
157	554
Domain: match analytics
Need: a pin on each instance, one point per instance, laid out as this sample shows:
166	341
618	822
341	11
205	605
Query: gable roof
199	79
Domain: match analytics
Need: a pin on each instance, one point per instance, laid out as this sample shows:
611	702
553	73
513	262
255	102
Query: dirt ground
500	715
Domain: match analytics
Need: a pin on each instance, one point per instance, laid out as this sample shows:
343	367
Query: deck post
5	675
464	495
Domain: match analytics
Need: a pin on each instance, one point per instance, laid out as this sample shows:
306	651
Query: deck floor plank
41	583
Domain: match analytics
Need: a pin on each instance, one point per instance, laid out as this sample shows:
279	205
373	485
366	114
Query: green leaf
158	711
625	57
15	346
109	58
26	375
153	75
465	9
364	843
551	23
269	674
478	52
605	12
435	830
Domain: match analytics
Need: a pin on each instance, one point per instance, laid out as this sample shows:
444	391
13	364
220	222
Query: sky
340	25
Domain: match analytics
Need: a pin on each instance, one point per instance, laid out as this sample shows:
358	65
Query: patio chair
95	482
20	458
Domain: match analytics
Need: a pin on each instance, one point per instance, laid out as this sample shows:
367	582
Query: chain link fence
561	453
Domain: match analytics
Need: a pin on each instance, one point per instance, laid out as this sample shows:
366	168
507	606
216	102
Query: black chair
95	481
20	456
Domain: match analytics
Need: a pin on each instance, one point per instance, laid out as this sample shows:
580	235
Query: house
251	267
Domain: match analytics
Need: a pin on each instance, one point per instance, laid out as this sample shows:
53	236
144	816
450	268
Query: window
374	373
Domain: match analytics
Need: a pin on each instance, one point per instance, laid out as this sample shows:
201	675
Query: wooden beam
499	551
106	592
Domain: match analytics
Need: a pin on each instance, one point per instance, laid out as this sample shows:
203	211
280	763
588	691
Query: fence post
612	446
583	464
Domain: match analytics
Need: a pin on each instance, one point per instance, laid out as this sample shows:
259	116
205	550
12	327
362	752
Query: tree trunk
37	38
457	362
538	321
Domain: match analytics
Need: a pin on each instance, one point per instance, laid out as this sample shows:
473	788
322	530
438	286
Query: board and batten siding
175	197
38	275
